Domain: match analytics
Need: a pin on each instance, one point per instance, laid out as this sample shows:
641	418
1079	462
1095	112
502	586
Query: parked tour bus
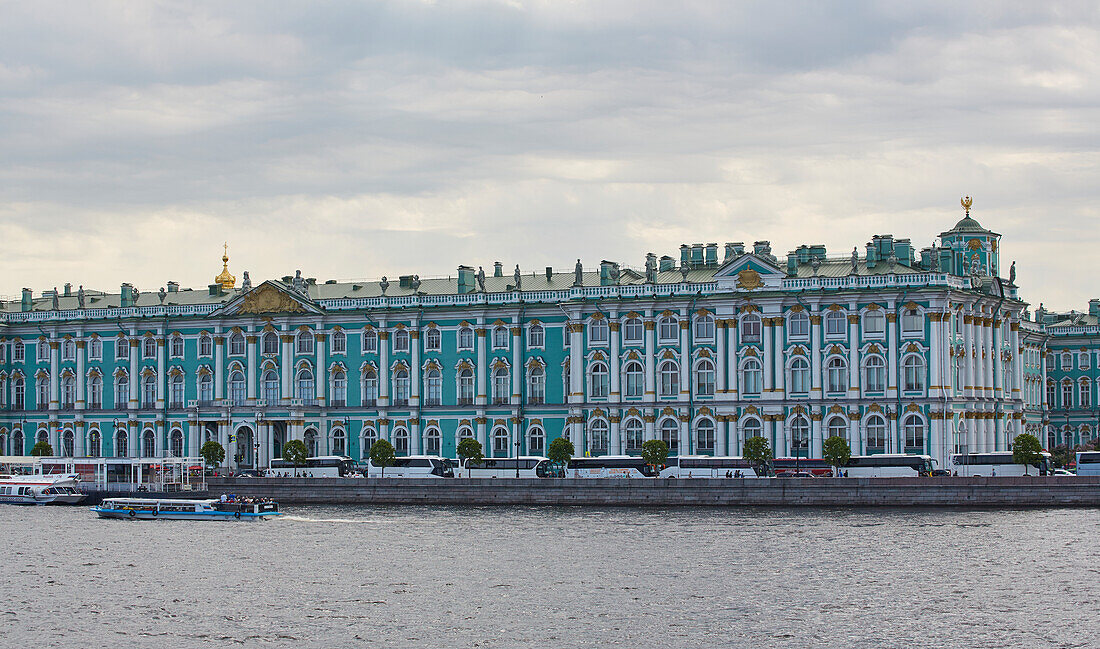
707	466
888	465
818	467
1088	462
999	463
322	466
609	466
527	466
414	466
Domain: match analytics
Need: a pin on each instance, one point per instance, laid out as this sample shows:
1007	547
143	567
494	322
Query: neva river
554	577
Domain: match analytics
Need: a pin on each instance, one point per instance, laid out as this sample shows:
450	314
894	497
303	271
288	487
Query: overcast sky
361	139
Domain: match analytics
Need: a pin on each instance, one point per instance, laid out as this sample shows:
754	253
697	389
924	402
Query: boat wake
306	519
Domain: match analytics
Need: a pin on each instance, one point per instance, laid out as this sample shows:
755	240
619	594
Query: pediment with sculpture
267	299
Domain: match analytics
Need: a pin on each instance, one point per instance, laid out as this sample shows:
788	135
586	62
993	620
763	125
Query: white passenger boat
39	489
239	509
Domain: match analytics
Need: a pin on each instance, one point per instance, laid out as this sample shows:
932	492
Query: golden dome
225	279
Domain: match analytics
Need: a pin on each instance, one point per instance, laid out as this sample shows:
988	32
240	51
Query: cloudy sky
361	139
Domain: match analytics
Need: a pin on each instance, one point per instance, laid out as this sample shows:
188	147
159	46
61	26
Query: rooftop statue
651	268
415	283
246	283
80	297
56	300
384	284
1012	273
578	274
516	276
162	294
481	279
855	260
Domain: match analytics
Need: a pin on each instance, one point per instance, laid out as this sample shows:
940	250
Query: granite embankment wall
1059	491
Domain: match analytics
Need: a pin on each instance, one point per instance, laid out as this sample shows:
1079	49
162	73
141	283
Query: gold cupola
225	280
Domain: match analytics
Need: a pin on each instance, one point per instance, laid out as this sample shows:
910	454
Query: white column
219	369
616	444
768	355
55	381
483	368
650	351
134	353
936	379
322	371
162	373
853	354
81	379
967	360
721	432
780	357
650	425
414	435
286	364
1017	360
613	365
815	356
686	387
251	370
194	442
892	355
384	366
415	376
721	363
517	363
816	440
576	366
685	435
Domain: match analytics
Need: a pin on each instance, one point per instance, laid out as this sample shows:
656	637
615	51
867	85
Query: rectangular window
536	336
122	349
912	322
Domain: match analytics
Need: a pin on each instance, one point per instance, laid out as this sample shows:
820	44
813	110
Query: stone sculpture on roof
650	268
516	276
80	297
481	279
246	283
56	300
855	261
384	284
578	274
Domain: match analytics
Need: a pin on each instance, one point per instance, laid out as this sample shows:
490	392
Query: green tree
758	453
1026	450
42	449
837	452
212	454
295	452
382	455
655	453
469	451
560	452
1060	455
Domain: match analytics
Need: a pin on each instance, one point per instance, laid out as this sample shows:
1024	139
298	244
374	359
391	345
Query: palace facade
896	349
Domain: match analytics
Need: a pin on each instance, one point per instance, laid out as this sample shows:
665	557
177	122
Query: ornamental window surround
634	435
42	353
149	391
502	391
433	441
206	345
237	390
599	381
876	434
122	349
800	435
800	376
339	343
401	341
798	326
633	331
669	374
433	384
837	427
149	348
500	442
752	428
668	329
598	332
122	391
536	336
18	353
433	339
370	387
465	339
175	346
536	385
1084	395
270	383
750	328
670	433
704	378
835	324
206	389
401	386
236	344
1067	394
634	379
836	375
304	342
874	373
536	441
912	373
370	341
68	350
914	434
598	437
95	392
176	391
752	377
704	436
500	337
339	388
465	387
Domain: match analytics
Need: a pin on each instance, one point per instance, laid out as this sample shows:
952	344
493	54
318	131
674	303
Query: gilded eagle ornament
749	279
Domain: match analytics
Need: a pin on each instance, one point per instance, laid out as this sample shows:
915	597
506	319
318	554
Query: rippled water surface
560	577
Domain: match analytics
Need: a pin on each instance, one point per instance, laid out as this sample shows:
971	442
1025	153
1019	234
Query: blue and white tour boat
224	509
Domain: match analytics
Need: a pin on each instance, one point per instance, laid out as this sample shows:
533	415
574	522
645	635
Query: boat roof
147	501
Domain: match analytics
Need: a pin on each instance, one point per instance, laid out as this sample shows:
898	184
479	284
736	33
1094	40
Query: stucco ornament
268	299
749	279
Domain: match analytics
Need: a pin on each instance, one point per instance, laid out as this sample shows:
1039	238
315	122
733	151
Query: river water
554	577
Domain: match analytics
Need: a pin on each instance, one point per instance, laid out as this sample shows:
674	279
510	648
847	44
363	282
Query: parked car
1061	472
939	473
250	473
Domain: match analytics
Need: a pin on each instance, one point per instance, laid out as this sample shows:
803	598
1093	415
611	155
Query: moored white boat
240	509
39	489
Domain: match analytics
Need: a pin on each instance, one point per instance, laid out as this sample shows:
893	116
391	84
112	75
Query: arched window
465	387
433	442
670	379
632	331
176	391
536	441
67	443
704	436
668	329
750	328
752	377
752	428
704	378
798	326
305	342
1067	394
237	390
500	442
1050	393
43	352
95	348
370	341
433	340
339	342
502	391
835	324
536	336
68	391
876	434
670	433
598	437
18	393
704	327
271	343
68	350
305	385
874	373
270	382
912	373
800	375
122	349
175	347
370	387
95	392
149	391
401	340
122	391
914	434
433	387
176	443
42	392
874	324
500	337
401	386
634	379
536	385
95	444
149	347
599	381
836	375
465	338
800	437
148	443
310	438
1084	394
369	437
206	345
206	389
339	390
634	434
338	442
598	331
837	427
122	443
465	432
236	344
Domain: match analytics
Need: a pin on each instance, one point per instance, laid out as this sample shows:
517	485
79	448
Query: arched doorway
310	438
246	450
278	438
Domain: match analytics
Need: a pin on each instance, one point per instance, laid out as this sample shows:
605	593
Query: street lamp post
518	444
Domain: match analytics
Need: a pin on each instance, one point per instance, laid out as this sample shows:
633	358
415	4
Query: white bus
322	466
609	466
707	466
887	465
1088	462
525	466
997	463
414	466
